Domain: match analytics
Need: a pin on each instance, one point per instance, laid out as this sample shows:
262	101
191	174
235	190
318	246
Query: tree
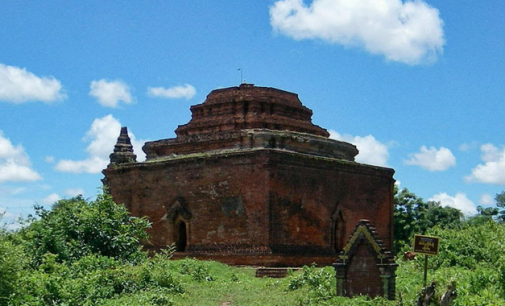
414	216
12	261
443	216
488	211
409	211
76	227
500	203
485	215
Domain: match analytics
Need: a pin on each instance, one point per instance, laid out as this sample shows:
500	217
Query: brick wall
260	202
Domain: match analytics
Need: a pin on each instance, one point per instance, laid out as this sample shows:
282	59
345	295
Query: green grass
209	283
232	286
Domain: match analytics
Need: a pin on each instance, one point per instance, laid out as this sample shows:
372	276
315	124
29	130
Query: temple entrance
180	237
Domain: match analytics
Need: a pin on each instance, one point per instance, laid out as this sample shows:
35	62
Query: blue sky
417	86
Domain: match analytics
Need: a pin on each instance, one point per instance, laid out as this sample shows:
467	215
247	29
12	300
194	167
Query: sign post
428	246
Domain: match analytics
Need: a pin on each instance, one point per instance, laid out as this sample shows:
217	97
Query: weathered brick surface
249	107
318	201
223	217
284	195
363	276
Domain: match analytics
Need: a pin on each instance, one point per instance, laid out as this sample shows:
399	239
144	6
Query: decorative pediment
365	232
178	208
366	239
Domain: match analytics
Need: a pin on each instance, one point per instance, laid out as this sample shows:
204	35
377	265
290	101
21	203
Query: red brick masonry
250	180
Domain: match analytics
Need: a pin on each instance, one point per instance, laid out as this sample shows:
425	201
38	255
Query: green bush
471	246
196	269
473	256
76	228
320	282
12	263
93	280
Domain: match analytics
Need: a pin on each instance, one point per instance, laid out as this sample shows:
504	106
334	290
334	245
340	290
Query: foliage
471	246
500	203
484	215
414	216
472	255
491	213
196	269
95	280
319	281
12	264
445	217
76	228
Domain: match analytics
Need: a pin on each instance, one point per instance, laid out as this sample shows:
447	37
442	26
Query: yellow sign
426	245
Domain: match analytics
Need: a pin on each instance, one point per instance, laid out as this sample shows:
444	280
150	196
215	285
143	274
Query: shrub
471	246
12	262
76	228
96	280
319	281
196	269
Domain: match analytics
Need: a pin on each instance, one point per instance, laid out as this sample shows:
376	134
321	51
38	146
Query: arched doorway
338	235
181	239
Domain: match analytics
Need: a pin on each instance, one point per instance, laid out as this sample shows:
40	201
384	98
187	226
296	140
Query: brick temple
250	180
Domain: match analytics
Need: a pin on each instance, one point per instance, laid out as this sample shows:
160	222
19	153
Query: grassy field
207	283
211	283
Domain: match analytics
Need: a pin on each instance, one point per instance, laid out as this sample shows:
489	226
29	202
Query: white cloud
15	165
18	86
432	159
110	93
73	192
49	159
91	165
51	199
102	136
459	201
493	169
14	172
177	92
371	151
486	199
490	153
464	147
9	190
408	32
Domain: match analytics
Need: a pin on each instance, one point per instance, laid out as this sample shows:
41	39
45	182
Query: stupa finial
123	150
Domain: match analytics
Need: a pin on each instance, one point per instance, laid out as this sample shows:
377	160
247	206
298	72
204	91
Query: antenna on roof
241	78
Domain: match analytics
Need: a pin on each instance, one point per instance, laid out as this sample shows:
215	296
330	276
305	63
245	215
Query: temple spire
123	150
